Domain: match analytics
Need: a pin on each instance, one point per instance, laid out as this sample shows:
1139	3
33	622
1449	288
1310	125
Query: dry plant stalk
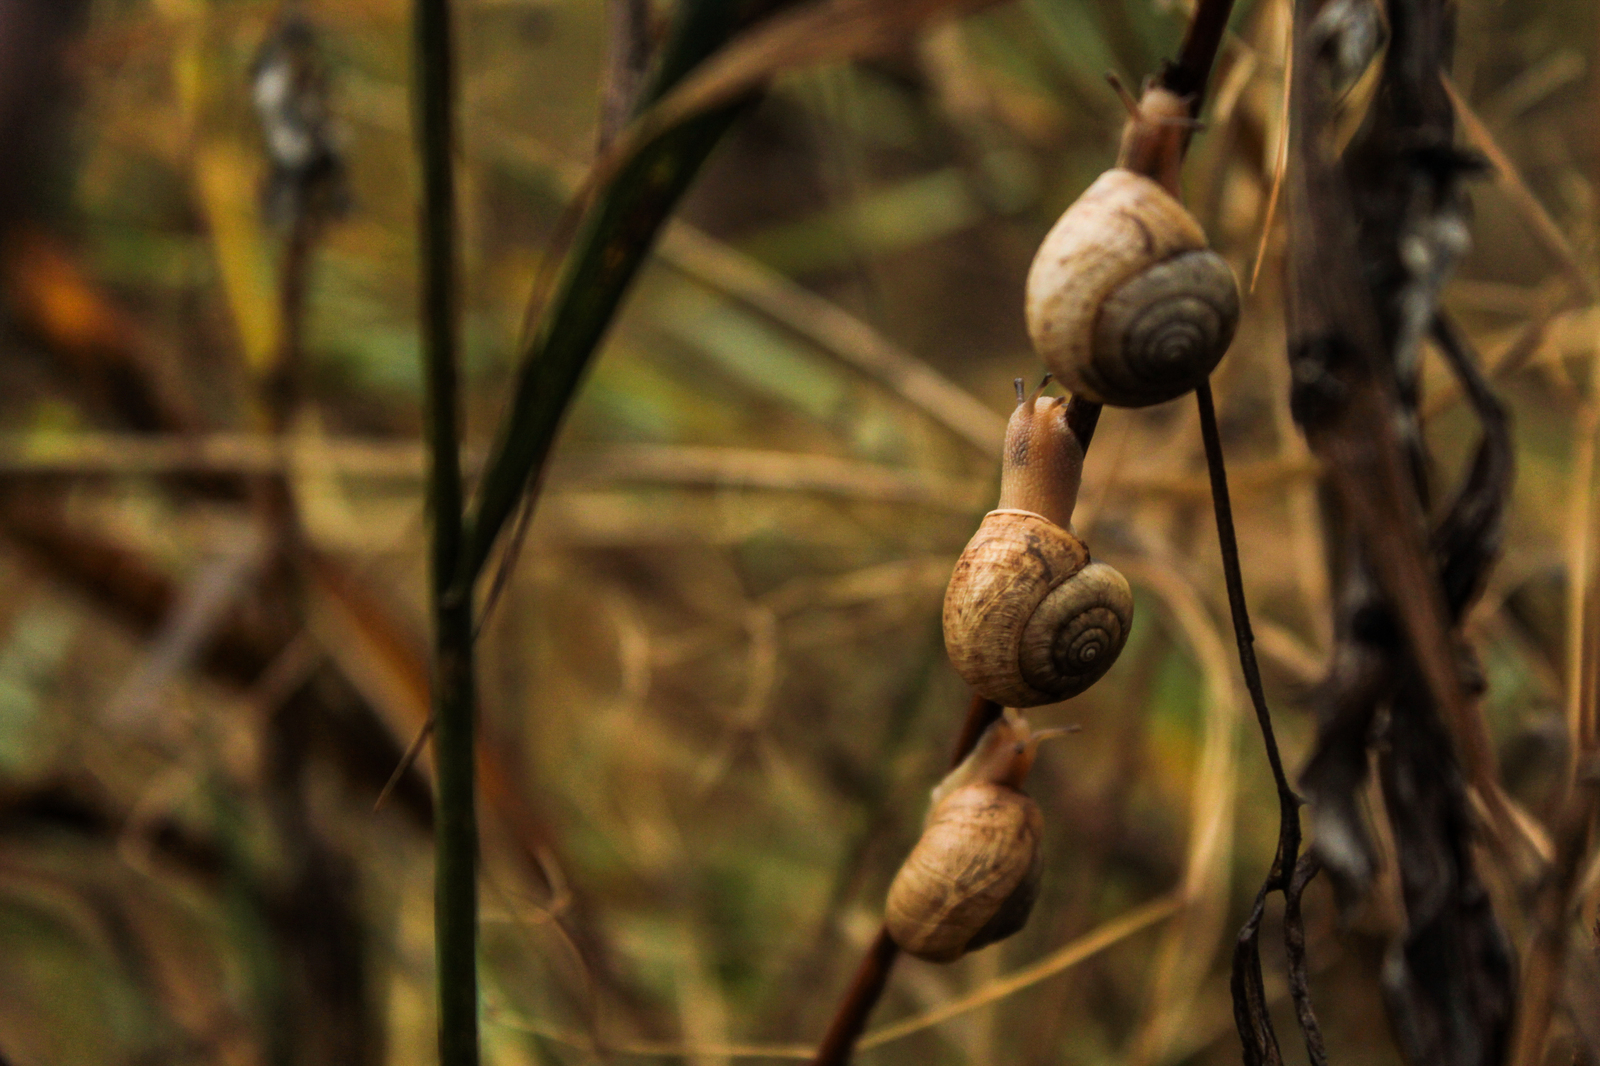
1375	232
1453	556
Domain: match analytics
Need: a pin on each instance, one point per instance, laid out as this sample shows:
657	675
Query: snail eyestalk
1127	98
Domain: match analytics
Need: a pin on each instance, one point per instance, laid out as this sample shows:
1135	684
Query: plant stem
865	990
1288	802
455	816
981	713
1082	416
872	975
1188	75
1259	1042
1294	946
615	236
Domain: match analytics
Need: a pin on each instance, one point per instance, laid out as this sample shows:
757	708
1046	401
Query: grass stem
455	815
1249	997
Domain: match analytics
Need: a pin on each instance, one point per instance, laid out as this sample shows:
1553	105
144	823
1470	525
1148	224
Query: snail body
1028	617
974	874
1125	302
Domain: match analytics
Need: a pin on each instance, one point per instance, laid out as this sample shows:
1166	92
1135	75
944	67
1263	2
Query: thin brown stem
980	714
872	976
1294	944
282	387
1545	966
1250	1013
1545	962
1188	75
1082	417
407	760
1288	802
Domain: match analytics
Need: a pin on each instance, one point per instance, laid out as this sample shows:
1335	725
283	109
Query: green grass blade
612	243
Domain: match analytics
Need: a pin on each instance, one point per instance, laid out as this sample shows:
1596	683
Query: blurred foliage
715	692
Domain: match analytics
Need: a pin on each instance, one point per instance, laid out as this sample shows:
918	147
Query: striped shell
1028	619
1125	303
973	876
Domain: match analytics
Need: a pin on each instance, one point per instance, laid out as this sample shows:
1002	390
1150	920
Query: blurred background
714	691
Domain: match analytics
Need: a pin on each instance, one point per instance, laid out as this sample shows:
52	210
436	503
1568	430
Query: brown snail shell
973	876
1028	619
1125	303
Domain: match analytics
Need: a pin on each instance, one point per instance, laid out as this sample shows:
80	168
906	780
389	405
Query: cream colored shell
1122	224
1028	619
972	878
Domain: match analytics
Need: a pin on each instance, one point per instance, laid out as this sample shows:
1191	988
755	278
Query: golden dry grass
714	690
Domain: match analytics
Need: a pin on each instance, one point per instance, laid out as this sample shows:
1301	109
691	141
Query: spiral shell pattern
1027	618
1078	630
1125	303
973	876
1163	332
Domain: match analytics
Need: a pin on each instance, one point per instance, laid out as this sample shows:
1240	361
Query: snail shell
973	876
1028	619
1125	303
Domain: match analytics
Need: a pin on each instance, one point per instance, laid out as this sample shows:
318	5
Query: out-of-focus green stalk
455	816
616	235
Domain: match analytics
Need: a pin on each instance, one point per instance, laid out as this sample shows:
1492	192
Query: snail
974	873
1125	302
1028	618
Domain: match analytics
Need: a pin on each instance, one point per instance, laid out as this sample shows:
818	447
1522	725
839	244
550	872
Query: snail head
1042	465
1003	755
1158	128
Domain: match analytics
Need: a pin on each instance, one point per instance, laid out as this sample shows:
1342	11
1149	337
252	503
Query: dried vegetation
713	691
